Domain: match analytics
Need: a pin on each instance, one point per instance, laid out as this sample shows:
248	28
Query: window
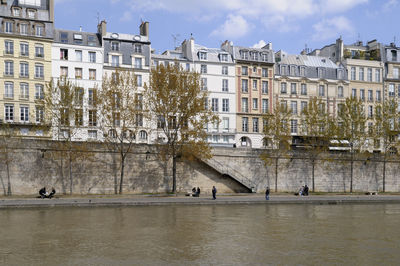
64	37
264	73
23	29
391	90
245	124
225	85
138	63
354	93
245	85
255	103
160	122
264	106
245	105
283	88
293	88
244	55
254	56
321	91
224	70
91	40
137	48
23	70
115	60
9	47
92	74
378	96
264	87
244	71
17	12
293	107
340	73
293	126
214	104
321	72
39	71
370	111
92	118
302	71
92	57
78	73
353	73
39	91
31	13
203	69
9	112
395	73
9	68
8	90
143	135
39	51
79	93
362	94
114	46
255	87
78	55
303	89
225	123
203	84
203	55
224	57
24	49
340	92
361	73
24	91
8	27
139	120
255	124
303	106
63	54
39	114
39	30
64	71
377	75
78	117
369	74
187	67
139	80
264	57
92	97
370	96
92	134
225	105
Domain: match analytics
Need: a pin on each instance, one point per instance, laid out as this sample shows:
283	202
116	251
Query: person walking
267	193
214	193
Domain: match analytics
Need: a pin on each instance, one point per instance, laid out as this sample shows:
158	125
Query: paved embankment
182	200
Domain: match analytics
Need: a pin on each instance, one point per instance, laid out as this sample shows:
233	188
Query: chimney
102	28
51	10
144	29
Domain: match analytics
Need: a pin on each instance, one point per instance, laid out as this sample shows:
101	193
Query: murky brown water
197	235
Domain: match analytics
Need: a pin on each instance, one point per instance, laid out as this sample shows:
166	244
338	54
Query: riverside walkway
146	200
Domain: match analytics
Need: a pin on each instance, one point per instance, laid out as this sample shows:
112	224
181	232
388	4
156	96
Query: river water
202	235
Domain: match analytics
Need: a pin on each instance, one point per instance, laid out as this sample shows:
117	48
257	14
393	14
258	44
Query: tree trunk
8	179
115	175
121	179
3	185
276	174
174	174
313	174
384	173
64	190
70	174
351	174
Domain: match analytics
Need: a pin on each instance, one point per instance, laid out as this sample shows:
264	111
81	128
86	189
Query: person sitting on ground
305	190
42	192
198	192
301	191
193	191
53	191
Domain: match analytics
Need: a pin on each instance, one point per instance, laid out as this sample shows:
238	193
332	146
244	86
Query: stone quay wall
37	163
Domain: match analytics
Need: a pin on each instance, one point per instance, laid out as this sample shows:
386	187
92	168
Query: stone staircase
229	171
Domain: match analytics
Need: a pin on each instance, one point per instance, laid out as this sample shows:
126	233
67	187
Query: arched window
143	135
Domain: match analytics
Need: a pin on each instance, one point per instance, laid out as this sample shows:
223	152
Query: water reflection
224	235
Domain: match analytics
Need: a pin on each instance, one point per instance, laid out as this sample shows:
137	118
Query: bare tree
7	134
175	100
122	116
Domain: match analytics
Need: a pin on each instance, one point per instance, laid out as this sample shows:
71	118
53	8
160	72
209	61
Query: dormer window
320	72
254	56
115	46
283	70
8	27
293	70
264	57
78	38
224	58
31	13
91	40
302	71
203	55
23	28
244	55
39	30
17	12
137	48
340	74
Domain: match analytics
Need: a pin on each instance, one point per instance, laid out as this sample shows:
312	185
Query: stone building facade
26	36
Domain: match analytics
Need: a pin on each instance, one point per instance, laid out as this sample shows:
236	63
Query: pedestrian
214	192
198	192
305	190
267	193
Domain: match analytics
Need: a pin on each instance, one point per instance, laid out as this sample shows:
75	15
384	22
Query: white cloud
338	6
390	4
127	16
260	44
332	28
234	27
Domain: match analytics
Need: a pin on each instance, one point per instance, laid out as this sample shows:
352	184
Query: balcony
8	74
8	96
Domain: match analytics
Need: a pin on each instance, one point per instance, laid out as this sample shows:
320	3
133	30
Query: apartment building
78	56
26	36
254	73
129	52
391	58
298	78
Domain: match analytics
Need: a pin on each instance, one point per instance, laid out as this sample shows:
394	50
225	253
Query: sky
290	25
